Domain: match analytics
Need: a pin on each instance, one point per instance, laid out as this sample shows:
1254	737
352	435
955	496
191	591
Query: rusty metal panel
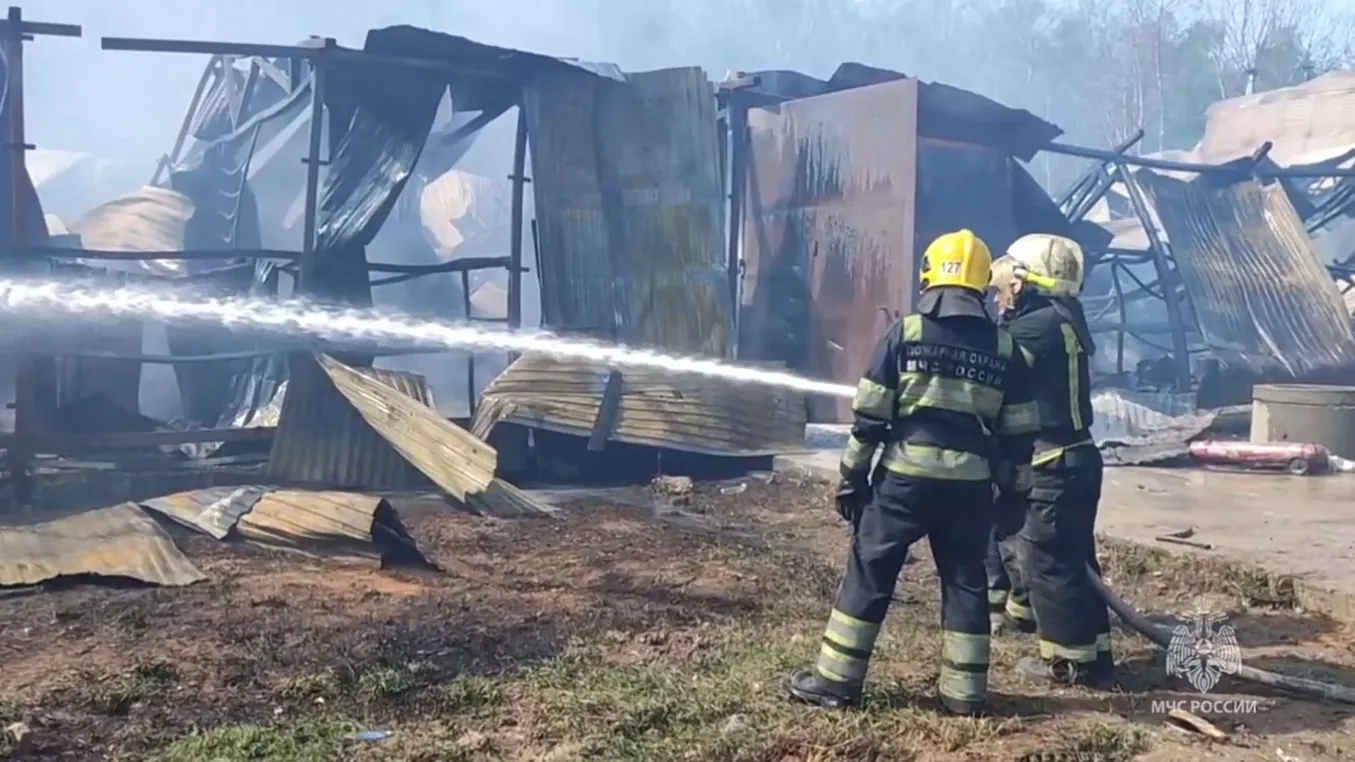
630	209
323	441
214	511
118	541
329	523
680	412
1262	297
376	430
447	454
828	239
964	186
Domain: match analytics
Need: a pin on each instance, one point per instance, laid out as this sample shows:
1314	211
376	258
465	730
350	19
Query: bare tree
1248	26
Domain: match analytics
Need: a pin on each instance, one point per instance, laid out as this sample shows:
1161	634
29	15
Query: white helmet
1050	264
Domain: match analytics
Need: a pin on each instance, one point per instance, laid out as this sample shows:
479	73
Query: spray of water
354	326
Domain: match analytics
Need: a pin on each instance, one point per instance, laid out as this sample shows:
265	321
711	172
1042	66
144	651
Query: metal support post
12	37
516	214
1165	276
305	274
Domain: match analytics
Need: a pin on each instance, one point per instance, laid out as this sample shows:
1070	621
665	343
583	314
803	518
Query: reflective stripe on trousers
844	655
964	666
1050	651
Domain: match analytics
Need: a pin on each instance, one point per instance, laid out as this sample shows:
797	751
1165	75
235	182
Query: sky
125	105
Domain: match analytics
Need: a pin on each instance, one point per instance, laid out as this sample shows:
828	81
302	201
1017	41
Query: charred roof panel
118	541
944	112
1306	124
1262	297
323	441
630	207
674	411
829	230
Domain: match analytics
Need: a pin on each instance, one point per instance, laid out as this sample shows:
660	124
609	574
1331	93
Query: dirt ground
615	633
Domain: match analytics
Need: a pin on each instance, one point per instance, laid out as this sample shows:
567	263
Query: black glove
853	492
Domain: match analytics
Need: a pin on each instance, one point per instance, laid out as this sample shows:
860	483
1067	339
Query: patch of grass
370	686
113	696
384	683
471	694
1100	742
726	705
130	623
319	740
327	685
1128	563
1259	588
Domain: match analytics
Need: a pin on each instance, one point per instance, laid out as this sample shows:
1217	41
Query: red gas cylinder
1295	457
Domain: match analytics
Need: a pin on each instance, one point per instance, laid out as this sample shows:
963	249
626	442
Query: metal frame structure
1115	166
317	54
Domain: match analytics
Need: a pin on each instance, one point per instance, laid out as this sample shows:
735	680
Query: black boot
1002	622
1103	671
809	686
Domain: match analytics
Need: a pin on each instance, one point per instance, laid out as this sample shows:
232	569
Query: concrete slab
1304	526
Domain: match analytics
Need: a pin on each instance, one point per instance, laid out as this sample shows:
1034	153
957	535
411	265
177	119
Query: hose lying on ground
1159	636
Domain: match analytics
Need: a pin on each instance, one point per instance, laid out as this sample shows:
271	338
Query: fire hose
1160	637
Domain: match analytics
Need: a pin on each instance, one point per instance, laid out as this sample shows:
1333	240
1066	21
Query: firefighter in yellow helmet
947	401
1037	284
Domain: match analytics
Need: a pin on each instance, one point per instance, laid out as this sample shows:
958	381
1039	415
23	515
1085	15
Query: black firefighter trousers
1054	548
955	517
1007	593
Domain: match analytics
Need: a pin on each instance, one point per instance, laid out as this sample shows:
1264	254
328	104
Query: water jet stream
31	298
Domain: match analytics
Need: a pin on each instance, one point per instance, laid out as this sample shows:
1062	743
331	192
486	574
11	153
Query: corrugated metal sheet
1307	124
1122	415
630	209
215	511
1261	295
681	412
828	239
323	441
331	523
118	541
377	430
456	461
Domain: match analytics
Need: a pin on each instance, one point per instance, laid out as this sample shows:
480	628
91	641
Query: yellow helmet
1049	264
957	259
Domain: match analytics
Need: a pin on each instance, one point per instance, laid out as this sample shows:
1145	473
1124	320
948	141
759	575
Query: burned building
843	184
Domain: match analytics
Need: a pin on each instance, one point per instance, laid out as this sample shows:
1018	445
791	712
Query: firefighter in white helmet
1049	545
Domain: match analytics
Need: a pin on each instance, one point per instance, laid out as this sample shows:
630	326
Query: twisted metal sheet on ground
118	541
676	411
452	458
215	511
329	523
323	441
1262	296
